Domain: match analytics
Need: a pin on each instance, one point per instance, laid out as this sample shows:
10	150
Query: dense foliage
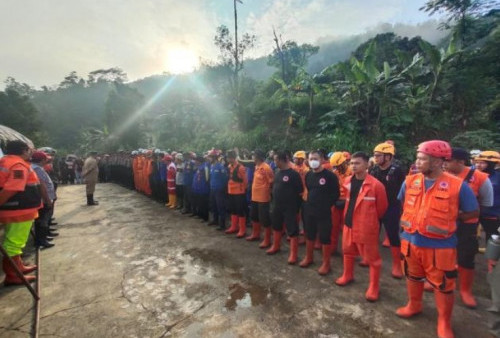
391	87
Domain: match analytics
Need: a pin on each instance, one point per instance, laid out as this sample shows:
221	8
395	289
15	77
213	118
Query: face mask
314	164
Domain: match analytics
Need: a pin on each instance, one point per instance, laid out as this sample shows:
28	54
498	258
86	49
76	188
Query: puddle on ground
242	297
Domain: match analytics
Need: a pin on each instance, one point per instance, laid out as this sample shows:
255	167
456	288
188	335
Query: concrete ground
131	268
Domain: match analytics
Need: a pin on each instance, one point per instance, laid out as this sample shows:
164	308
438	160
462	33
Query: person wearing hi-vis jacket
433	202
366	204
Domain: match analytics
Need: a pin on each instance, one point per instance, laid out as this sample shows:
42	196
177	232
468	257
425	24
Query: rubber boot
242	221
276	247
234	225
294	248
396	262
94	202
372	293
267	238
386	243
20	264
173	198
11	276
325	265
309	258
466	279
444	306
415	294
317	244
255	236
348	275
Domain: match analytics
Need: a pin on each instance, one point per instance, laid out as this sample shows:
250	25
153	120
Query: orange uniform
475	182
262	182
338	209
16	175
238	182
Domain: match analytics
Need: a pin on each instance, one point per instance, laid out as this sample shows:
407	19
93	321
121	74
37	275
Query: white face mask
314	164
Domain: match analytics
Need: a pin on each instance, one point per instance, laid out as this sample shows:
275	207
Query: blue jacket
200	184
163	171
188	173
493	211
218	176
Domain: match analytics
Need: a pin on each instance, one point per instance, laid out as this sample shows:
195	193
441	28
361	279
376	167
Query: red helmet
167	157
213	152
435	148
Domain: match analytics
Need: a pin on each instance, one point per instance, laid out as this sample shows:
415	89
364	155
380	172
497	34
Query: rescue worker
20	199
366	203
391	176
90	173
299	159
488	162
135	161
179	179
201	189
171	172
494	281
261	198
433	201
236	187
323	192
148	172
468	244
42	229
218	186
188	182
287	195
343	171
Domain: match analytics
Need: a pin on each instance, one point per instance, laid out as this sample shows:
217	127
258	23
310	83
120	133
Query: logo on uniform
443	185
322	181
285	178
416	183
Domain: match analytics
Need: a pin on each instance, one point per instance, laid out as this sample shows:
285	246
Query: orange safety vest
432	213
24	205
475	182
237	183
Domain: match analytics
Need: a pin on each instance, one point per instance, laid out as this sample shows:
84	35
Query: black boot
222	224
90	200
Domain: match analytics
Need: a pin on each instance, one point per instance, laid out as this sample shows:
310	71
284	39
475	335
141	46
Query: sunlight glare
181	60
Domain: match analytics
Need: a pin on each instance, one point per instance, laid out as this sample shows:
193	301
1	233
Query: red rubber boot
255	236
444	306
396	262
234	225
11	276
372	293
415	294
294	248
20	264
242	226
466	279
325	266
348	275
267	238
309	258
276	247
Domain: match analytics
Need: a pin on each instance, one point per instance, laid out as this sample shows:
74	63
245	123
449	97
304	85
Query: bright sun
181	60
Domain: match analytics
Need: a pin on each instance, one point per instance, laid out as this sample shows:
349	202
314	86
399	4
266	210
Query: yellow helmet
385	148
300	154
488	155
337	159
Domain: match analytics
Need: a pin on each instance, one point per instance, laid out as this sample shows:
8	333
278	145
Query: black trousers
187	198
490	226
179	191
259	212
201	205
42	224
467	246
237	204
318	222
287	214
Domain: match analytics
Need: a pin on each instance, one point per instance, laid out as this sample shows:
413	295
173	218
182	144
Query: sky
44	40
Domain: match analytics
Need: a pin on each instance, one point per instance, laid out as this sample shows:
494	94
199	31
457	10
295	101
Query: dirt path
131	268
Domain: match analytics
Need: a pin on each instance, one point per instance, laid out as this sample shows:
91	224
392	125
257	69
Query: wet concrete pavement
131	268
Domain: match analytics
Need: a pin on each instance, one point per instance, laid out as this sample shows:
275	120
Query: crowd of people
430	214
